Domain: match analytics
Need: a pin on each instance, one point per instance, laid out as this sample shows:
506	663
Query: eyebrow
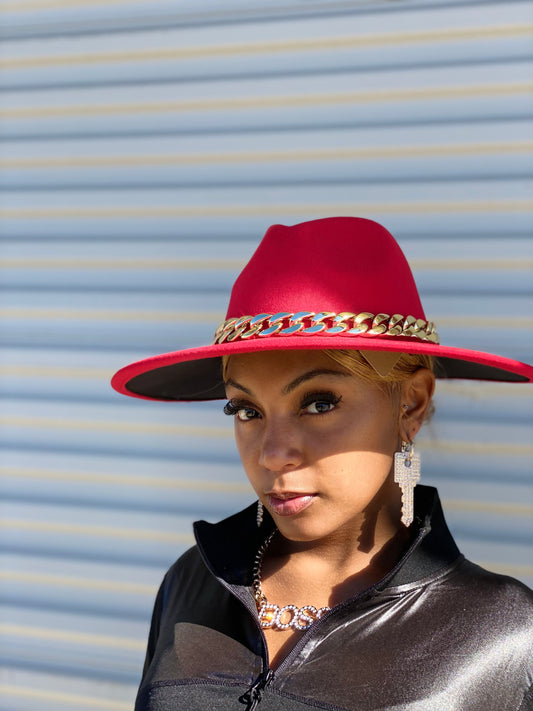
297	381
312	374
237	385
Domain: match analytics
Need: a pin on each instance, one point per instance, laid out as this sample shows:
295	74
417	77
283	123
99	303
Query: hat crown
334	264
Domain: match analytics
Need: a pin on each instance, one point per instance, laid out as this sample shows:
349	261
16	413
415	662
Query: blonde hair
407	364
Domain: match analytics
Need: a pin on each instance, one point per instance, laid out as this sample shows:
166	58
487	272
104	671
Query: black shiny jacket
438	633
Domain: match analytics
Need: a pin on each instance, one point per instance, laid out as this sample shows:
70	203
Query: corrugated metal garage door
146	147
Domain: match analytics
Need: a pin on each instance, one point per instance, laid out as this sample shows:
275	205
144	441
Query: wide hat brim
334	283
196	373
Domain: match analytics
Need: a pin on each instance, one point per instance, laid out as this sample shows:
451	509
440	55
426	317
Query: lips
289	503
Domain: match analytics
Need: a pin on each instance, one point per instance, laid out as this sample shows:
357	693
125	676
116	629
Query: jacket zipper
253	695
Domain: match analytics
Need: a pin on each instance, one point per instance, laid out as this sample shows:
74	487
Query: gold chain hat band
325	323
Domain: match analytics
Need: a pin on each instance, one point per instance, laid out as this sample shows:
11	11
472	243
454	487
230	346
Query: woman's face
316	442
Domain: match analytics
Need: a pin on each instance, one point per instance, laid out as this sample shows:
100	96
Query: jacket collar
229	547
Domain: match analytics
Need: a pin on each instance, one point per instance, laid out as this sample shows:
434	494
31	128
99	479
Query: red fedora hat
340	282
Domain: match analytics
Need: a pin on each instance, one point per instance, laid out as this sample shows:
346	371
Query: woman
336	590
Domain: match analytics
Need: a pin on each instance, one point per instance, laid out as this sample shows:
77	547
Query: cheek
360	437
380	432
243	433
362	470
350	482
247	448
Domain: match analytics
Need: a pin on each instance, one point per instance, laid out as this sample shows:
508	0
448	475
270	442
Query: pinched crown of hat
305	280
339	283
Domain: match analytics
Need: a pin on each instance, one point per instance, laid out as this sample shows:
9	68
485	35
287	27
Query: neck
340	565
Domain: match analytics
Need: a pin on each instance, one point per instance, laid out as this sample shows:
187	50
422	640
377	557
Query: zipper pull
253	695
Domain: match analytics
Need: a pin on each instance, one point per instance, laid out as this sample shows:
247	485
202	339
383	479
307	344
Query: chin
303	529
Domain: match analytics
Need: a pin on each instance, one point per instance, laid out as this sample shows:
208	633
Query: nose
281	447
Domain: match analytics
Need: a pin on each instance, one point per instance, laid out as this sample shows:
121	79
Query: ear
416	396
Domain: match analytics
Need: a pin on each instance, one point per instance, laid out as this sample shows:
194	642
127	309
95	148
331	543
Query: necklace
280	618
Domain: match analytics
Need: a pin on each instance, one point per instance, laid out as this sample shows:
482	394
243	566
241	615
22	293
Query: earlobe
408	428
417	392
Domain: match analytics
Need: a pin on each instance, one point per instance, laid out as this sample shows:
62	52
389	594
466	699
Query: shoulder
478	603
190	557
495	585
189	565
181	585
498	600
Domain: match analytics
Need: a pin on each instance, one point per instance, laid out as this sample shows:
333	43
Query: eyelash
233	407
327	397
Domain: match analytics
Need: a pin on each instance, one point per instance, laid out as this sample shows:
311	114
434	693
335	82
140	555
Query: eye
319	407
246	413
320	403
242	411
